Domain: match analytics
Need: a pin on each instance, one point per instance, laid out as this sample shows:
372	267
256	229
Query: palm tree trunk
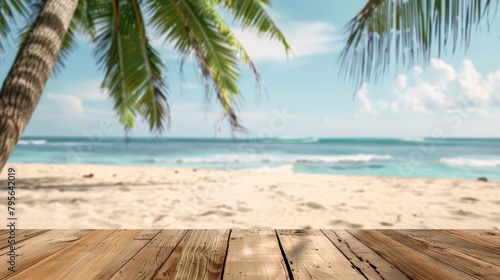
24	84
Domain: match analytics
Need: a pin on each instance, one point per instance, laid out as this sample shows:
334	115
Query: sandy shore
58	196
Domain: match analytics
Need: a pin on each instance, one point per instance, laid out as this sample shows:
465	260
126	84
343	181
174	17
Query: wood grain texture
254	255
89	265
146	263
489	239
203	255
444	253
65	258
412	263
311	255
366	260
21	235
479	252
167	271
147	234
33	250
121	259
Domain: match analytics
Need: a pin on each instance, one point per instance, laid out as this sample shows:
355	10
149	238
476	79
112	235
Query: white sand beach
59	196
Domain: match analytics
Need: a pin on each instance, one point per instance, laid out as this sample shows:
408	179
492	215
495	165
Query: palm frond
226	31
195	28
251	14
8	11
152	102
193	31
133	69
407	31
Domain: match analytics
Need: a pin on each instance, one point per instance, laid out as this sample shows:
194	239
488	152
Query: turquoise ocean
412	157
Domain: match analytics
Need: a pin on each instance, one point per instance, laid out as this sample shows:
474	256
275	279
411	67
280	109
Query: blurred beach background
410	157
340	154
257	183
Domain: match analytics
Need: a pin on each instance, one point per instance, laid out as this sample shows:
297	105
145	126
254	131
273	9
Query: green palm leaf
410	28
251	14
133	77
133	68
188	25
8	11
194	28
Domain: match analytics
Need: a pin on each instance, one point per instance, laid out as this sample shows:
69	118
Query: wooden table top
252	254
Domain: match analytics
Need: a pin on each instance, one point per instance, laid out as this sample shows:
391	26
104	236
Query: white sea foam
284	169
343	158
67	143
470	162
412	139
32	142
283	159
298	140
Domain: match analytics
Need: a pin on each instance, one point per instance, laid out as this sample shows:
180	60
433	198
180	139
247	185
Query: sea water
416	157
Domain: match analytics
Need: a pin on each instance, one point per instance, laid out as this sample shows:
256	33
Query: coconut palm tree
407	32
134	72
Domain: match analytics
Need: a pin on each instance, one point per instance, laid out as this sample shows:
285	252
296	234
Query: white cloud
493	85
422	97
440	87
305	38
66	104
366	104
438	74
89	90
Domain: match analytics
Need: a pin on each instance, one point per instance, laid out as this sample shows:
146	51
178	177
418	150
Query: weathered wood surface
311	255
149	259
413	263
253	254
365	259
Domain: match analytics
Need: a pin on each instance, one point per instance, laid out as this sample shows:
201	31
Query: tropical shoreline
416	158
100	196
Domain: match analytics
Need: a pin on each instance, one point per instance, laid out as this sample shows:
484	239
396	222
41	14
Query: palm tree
23	86
134	72
406	31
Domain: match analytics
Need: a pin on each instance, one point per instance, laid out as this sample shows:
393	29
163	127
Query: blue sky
417	102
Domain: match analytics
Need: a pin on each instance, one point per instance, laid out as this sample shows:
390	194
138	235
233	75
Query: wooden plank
21	235
491	256
65	257
203	255
147	234
411	262
489	239
254	254
366	260
364	267
146	263
167	271
129	252
120	260
89	265
4	234
311	255
33	250
444	253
